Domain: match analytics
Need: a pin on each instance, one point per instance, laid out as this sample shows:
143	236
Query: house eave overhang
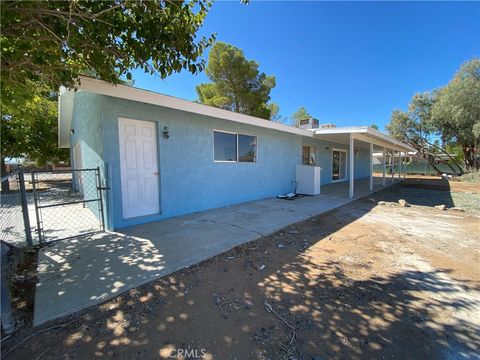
66	100
149	97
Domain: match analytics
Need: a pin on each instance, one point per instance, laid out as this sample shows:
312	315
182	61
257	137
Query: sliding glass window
228	147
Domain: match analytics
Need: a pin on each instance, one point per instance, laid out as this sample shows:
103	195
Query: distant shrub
471	177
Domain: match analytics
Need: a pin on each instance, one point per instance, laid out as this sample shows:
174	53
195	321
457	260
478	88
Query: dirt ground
363	281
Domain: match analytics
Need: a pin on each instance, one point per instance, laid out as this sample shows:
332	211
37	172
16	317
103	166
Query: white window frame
346	165
236	146
236	156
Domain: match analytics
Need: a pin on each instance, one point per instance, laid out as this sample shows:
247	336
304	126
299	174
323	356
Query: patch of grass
468	201
471	177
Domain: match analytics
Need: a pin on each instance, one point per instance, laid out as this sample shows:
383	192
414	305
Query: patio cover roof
362	133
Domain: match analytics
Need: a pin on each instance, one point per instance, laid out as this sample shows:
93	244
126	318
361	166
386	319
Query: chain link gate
68	203
15	227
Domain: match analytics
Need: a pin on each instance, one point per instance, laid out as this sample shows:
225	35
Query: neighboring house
162	156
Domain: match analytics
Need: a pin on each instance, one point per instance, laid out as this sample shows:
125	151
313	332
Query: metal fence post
37	215
23	198
100	190
6	308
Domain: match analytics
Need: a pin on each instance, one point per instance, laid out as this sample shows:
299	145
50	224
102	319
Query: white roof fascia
387	138
379	142
150	97
342	130
378	137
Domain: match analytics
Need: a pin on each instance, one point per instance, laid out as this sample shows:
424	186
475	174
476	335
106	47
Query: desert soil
363	281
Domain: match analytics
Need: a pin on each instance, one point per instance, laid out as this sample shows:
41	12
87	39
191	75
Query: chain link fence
419	167
43	206
15	228
67	203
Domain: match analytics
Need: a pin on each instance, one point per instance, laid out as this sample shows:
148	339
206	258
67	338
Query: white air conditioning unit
308	180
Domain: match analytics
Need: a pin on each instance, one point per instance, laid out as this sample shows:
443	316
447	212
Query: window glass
247	148
308	155
225	146
339	165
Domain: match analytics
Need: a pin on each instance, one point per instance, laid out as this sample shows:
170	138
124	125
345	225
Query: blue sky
350	63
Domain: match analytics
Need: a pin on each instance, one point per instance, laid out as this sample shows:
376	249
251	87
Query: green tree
274	111
30	130
45	44
404	128
416	128
54	41
374	126
237	84
300	114
457	110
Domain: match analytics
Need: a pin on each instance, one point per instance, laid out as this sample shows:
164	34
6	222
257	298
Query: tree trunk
3	172
427	156
431	162
469	159
448	155
451	167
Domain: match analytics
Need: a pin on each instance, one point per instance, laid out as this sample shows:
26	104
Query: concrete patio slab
81	272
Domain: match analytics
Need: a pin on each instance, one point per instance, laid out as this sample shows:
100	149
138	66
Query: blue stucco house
162	156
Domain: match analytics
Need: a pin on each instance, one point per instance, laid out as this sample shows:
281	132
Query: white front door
138	167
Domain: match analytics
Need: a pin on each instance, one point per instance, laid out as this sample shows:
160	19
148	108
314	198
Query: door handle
156	173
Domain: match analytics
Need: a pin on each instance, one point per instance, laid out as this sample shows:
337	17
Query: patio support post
392	165
405	165
384	166
352	159
371	167
399	165
400	173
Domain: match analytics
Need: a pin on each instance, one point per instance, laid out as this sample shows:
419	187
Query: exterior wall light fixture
166	132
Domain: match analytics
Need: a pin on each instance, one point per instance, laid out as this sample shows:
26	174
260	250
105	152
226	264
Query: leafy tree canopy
54	41
456	111
274	111
476	130
31	129
237	84
405	126
450	114
374	126
45	44
300	114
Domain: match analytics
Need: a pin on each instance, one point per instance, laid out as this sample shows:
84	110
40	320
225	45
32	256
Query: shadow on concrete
334	316
77	273
87	267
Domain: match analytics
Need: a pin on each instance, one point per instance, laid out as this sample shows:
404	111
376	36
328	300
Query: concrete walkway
75	274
